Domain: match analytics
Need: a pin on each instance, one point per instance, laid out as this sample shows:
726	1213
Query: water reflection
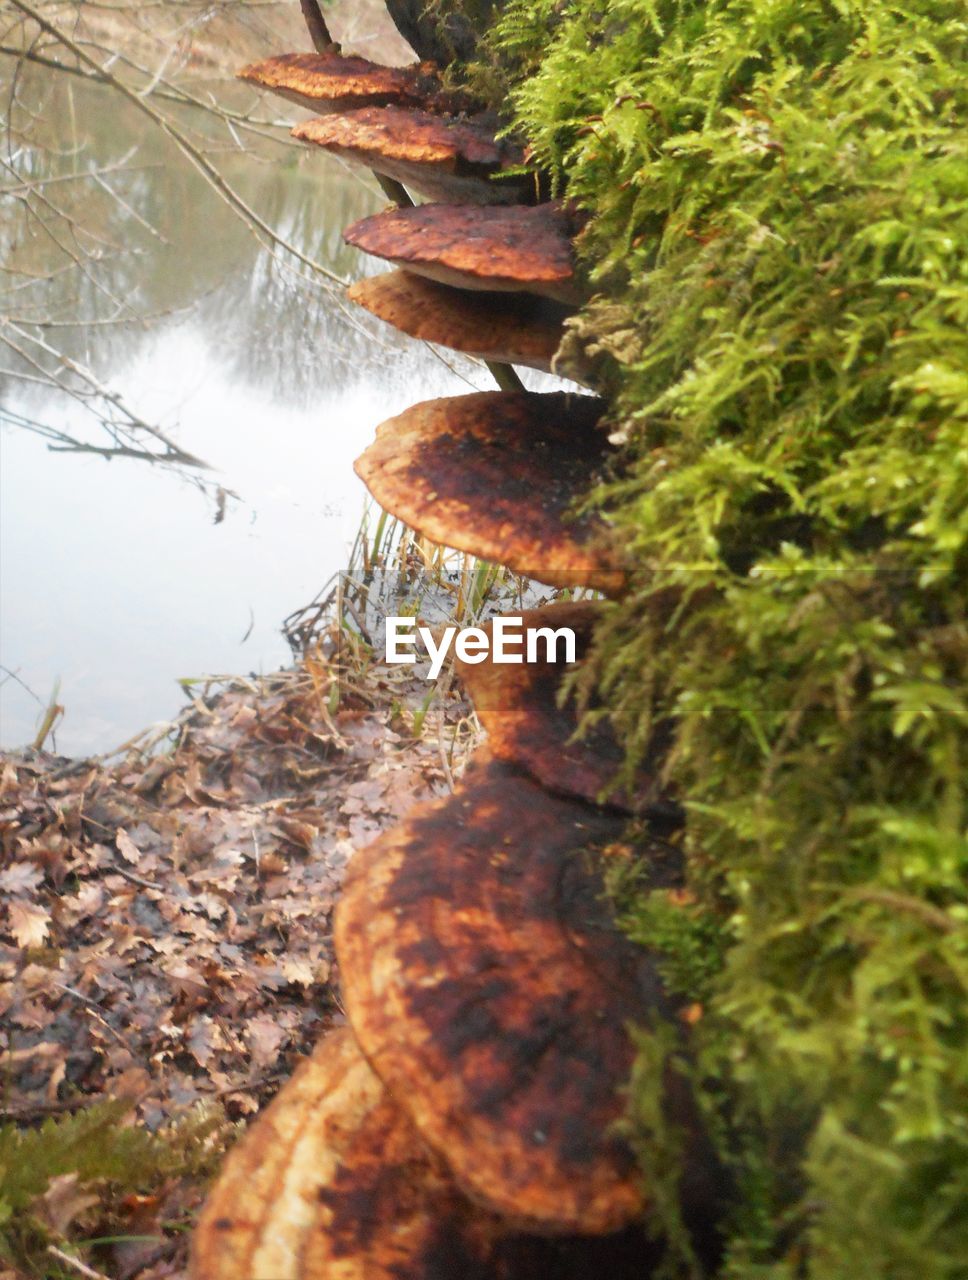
115	578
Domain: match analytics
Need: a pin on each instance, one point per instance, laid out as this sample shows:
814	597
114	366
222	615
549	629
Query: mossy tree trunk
443	31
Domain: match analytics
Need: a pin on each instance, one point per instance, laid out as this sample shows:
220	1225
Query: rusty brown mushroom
511	328
514	249
520	705
490	989
496	474
442	157
333	1181
324	82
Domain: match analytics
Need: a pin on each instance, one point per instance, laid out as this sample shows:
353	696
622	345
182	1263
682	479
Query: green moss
89	1162
778	192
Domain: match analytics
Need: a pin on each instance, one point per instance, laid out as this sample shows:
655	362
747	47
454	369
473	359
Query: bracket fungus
517	249
442	157
528	724
490	989
465	1124
512	329
333	1181
324	82
496	474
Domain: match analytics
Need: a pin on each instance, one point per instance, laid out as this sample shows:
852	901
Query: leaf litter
165	919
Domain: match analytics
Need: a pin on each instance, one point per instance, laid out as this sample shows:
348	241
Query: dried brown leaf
28	922
20	877
265	1037
63	1203
127	847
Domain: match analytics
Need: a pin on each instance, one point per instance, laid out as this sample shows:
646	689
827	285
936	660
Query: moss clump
65	1180
778	193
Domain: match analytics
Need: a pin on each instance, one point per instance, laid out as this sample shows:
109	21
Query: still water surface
115	579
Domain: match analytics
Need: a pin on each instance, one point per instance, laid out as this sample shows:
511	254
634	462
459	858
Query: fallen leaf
55	1079
20	877
264	1037
62	1203
201	1041
87	900
299	972
127	847
28	923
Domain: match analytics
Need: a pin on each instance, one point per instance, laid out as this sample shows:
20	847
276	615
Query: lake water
116	581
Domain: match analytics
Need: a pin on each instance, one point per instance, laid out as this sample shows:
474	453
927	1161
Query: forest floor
165	921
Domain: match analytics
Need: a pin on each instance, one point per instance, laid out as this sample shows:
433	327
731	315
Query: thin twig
323	42
75	1264
95	1009
12	675
197	157
97	390
172	93
33	1111
138	880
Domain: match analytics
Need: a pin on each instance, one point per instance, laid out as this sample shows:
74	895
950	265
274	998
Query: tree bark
442	31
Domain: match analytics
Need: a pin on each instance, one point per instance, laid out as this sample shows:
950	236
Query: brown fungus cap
332	1182
514	249
442	157
325	82
520	705
490	989
500	327
497	474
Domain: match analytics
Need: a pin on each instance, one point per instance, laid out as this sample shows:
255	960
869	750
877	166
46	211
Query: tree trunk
442	31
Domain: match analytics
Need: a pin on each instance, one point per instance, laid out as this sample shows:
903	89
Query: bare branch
95	390
193	153
275	130
323	42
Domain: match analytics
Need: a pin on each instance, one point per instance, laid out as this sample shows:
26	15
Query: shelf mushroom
519	249
528	724
490	989
510	328
324	82
496	474
333	1182
442	157
465	1123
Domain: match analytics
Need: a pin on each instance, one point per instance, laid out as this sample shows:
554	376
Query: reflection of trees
121	128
